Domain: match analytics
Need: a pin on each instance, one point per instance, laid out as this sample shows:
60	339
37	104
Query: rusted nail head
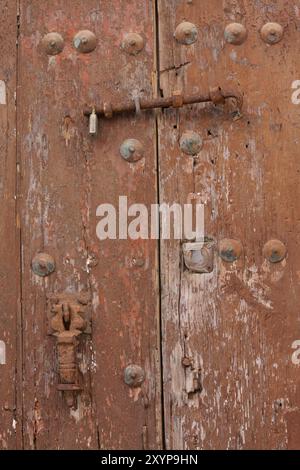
85	41
134	376
274	251
186	33
230	250
235	33
132	150
271	33
53	43
43	264
133	43
191	143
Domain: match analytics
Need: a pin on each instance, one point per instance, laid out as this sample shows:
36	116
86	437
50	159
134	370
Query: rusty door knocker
68	319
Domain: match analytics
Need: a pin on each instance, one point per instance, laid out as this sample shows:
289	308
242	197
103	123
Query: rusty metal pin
191	143
134	376
85	41
235	33
274	251
93	123
43	264
132	150
230	250
186	33
271	33
53	43
133	43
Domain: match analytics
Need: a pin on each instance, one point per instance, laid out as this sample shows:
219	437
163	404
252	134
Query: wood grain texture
66	174
10	416
237	324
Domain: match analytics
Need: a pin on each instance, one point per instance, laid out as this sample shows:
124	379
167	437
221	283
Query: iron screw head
186	33
191	143
274	251
235	33
53	43
134	376
132	150
230	250
85	41
271	33
43	264
133	43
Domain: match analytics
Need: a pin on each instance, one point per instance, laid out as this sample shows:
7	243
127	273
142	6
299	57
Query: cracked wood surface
235	326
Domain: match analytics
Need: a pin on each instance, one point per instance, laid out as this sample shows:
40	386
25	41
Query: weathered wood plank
66	174
237	324
10	415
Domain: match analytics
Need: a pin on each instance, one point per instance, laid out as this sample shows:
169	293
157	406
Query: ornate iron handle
215	95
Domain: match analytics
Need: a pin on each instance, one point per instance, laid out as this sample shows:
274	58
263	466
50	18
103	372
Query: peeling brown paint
236	324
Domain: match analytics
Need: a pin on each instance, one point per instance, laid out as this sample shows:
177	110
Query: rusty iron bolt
43	264
235	33
132	150
53	43
274	251
191	143
186	33
271	33
230	250
134	376
133	43
85	41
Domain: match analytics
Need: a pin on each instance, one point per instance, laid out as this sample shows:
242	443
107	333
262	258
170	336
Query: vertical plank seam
161	371
19	329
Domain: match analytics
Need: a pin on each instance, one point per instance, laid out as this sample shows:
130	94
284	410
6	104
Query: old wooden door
68	56
120	343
